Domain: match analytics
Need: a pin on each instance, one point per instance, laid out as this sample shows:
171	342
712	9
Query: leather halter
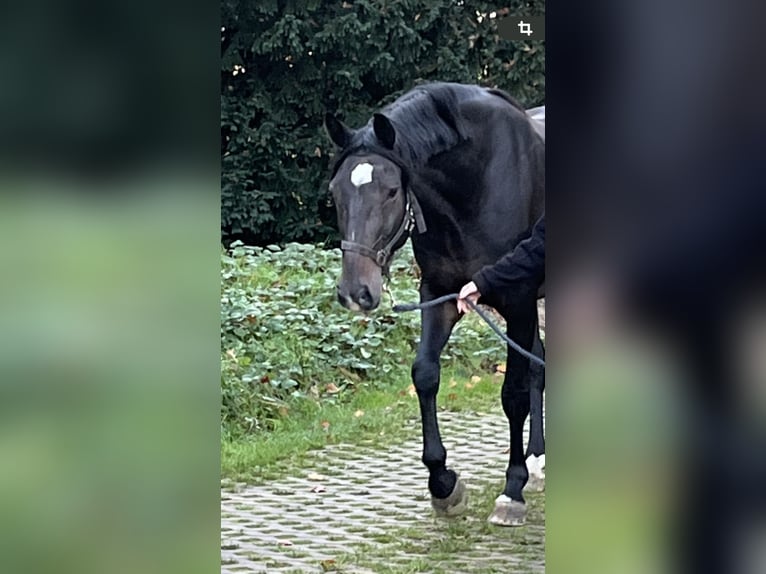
412	217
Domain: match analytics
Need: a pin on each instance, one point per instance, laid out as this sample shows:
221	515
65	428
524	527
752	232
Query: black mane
427	121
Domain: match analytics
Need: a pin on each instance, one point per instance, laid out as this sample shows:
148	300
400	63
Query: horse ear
338	132
384	130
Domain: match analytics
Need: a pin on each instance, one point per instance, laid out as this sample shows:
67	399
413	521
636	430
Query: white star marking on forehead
361	174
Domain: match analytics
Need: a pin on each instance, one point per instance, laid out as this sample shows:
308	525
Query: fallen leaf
326	425
283	411
327	565
319	488
358	413
411	391
452	383
475	379
332	389
500	368
230	354
349	375
469	386
506	451
452	397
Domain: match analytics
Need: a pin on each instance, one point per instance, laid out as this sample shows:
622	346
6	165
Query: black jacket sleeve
523	268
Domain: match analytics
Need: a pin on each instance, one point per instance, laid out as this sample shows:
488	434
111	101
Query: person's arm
524	265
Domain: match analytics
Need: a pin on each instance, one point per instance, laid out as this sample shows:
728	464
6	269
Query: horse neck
445	244
438	212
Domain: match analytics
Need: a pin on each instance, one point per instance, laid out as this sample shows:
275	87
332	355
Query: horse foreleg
510	507
447	492
536	446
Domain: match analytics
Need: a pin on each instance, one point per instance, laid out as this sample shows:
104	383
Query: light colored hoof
508	512
456	503
536	468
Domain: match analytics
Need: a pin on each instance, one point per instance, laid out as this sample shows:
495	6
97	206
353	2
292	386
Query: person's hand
469	291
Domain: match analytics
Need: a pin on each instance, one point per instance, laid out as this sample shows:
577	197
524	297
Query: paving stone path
351	500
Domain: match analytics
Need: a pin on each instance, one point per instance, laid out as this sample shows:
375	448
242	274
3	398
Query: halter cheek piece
413	216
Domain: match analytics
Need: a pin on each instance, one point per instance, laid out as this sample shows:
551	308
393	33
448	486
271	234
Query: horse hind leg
510	506
535	457
448	492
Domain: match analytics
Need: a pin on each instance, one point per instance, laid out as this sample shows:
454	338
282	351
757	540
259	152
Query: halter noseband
413	216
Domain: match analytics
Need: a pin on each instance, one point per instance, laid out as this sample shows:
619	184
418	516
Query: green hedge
284	63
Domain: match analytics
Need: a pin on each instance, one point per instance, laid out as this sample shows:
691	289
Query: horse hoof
456	503
536	468
508	512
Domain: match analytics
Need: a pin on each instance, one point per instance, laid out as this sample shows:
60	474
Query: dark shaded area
106	90
658	147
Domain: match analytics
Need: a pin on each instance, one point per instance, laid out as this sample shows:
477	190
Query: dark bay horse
460	169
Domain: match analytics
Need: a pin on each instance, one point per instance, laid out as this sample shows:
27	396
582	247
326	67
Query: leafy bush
284	64
284	337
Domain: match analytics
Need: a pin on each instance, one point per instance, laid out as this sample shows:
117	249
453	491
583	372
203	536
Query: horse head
374	209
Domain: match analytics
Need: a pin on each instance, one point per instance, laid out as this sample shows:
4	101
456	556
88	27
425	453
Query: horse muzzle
360	299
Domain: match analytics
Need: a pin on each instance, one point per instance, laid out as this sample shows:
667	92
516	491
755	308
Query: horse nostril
364	298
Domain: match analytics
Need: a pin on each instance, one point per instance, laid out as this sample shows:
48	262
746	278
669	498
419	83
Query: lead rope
439	300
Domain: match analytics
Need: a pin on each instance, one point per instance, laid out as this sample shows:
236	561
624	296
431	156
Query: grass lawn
366	416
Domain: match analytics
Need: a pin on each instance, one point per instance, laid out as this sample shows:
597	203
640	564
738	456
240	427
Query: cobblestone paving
349	497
